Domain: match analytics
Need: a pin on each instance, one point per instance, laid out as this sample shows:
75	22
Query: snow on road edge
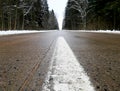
34	31
11	32
97	31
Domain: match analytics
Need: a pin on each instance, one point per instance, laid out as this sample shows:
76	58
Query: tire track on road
35	68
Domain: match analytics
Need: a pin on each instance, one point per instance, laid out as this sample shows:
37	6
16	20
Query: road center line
66	73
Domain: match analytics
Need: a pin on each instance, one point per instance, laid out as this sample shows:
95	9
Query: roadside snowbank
107	31
20	32
34	31
98	31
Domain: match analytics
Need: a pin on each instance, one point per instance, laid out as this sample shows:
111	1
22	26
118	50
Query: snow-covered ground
106	31
20	32
34	31
98	31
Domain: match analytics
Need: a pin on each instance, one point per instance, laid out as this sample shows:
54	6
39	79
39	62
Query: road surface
32	62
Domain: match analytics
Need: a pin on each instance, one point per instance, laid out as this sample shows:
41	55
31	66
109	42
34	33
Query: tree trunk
114	19
2	20
9	12
23	21
15	25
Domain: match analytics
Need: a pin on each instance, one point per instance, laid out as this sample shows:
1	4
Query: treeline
52	22
92	14
25	14
75	14
103	14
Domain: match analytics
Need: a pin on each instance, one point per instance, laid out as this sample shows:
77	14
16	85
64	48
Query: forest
26	15
92	15
79	15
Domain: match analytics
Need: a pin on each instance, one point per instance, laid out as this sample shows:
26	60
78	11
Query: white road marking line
66	73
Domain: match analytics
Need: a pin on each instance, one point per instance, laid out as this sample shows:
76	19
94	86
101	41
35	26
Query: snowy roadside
34	31
98	31
107	31
22	32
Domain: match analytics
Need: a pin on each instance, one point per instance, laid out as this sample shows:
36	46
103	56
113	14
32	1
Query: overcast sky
59	7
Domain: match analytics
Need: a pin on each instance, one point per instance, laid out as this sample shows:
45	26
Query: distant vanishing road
60	61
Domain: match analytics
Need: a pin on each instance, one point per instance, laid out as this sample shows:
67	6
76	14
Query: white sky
59	8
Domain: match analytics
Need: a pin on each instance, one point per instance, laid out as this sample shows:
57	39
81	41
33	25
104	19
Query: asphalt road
25	59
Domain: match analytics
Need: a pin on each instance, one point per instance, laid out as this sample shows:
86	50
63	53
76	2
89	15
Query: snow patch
66	73
11	32
97	31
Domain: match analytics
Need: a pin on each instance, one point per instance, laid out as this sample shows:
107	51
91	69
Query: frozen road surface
60	61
